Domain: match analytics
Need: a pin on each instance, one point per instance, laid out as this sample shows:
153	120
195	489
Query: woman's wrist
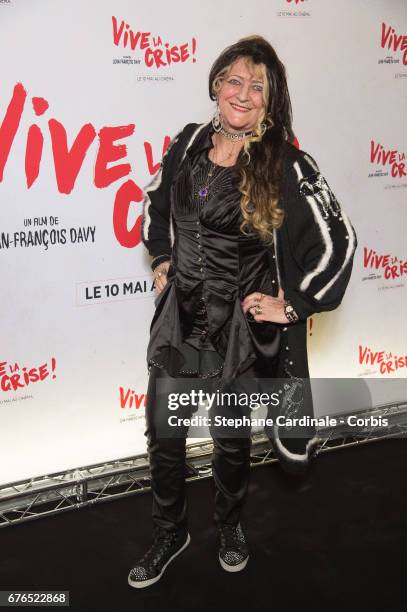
159	259
290	313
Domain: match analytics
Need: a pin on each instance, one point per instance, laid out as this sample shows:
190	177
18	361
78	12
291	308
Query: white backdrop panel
80	310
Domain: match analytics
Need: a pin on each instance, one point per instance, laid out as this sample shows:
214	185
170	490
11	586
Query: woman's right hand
160	275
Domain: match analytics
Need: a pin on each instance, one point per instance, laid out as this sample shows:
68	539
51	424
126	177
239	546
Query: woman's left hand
272	307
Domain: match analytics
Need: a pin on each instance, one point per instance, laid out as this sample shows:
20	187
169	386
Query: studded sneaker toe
234	551
165	547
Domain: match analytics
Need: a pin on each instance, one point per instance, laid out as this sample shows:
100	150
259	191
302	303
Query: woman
247	241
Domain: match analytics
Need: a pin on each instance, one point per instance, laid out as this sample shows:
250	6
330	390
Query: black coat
314	251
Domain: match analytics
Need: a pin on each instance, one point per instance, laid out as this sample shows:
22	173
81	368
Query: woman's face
241	97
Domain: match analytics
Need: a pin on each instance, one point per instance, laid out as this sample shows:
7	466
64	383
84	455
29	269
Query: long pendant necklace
204	190
214	171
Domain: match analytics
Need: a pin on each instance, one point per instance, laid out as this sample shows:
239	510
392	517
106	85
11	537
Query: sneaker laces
232	536
162	540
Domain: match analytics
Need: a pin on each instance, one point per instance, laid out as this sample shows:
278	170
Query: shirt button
287	348
273	281
199	259
201	269
199	246
197	235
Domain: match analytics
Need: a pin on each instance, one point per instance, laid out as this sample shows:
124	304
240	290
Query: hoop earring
270	121
216	120
260	130
265	125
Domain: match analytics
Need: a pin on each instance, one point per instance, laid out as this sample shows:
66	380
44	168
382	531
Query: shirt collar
202	140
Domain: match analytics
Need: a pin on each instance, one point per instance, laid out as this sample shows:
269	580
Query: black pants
230	465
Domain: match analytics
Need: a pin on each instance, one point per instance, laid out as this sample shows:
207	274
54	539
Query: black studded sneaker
234	551
165	547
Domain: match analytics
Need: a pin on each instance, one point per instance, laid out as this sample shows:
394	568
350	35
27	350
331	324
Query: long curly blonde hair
260	160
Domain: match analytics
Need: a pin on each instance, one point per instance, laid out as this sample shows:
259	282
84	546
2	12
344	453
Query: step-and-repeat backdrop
90	94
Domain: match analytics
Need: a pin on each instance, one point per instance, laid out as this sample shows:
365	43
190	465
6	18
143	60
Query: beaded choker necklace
234	135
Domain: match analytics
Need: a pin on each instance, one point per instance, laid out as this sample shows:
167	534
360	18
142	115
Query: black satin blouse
213	267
